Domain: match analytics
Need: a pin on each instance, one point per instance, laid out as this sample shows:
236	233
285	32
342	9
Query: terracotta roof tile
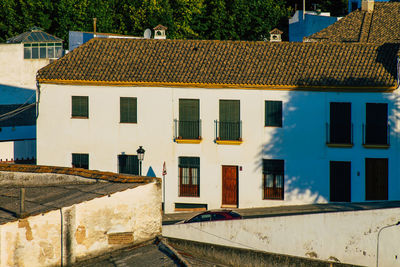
227	63
380	26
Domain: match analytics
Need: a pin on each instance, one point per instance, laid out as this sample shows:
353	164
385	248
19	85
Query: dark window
354	6
376	179
35	51
80	161
273	173
340	181
189	176
229	120
80	106
128	164
340	123
189	119
376	128
273	113
128	109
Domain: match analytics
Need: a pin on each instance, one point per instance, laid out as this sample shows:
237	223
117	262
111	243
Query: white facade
301	142
17	71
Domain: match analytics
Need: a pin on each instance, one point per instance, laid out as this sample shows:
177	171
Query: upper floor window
42	50
273	113
80	107
80	160
229	124
339	129
376	129
128	110
189	119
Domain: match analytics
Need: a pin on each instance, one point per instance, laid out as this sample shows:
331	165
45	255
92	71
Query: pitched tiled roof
380	26
225	64
34	35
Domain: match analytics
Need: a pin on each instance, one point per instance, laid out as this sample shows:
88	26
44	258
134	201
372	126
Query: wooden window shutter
229	110
189	110
128	109
80	106
128	164
273	113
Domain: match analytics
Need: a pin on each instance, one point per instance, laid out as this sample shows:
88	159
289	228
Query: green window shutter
273	113
189	162
128	109
80	106
128	164
189	110
189	118
80	160
229	110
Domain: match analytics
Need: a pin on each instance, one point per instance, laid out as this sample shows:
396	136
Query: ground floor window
189	176
128	164
273	173
80	160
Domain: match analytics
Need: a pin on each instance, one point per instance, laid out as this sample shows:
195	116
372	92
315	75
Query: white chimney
367	5
159	32
275	35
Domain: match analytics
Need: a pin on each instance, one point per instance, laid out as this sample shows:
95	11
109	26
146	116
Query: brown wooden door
229	186
376	179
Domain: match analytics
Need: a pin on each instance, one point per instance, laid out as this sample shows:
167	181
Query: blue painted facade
356	4
299	28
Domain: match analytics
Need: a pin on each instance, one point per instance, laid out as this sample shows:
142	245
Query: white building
238	124
20	59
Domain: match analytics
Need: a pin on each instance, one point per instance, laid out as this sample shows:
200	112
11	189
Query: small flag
164	169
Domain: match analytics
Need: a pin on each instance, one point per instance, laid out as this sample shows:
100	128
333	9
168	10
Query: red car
214	216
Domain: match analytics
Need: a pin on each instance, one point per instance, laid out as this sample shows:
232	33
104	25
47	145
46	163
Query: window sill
224	206
340	145
384	146
188	141
79	117
229	142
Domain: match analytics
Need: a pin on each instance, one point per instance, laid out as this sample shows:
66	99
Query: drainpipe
377	242
61	237
38	98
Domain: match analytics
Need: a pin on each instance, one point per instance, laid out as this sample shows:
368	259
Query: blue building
301	26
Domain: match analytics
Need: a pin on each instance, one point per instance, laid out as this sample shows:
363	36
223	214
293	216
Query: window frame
229	126
190	189
82	158
269	120
79	112
131	162
186	122
42	50
277	169
129	116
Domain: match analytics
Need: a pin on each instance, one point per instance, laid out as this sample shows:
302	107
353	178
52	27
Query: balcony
376	136
339	135
228	133
187	132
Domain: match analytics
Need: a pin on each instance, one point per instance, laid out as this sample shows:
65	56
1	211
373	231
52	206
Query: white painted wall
17	71
36	240
301	141
348	237
22	150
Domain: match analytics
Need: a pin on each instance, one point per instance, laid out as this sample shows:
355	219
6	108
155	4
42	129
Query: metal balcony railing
228	130
187	129
373	134
339	134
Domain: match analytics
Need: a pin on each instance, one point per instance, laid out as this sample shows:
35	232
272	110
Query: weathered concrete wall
347	237
89	228
38	179
245	257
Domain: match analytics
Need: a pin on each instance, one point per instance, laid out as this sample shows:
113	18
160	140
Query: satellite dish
147	33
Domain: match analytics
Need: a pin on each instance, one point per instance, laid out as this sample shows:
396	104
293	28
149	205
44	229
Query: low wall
346	237
88	229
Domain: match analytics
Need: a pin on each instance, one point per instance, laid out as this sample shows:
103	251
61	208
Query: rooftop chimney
159	32
367	5
275	35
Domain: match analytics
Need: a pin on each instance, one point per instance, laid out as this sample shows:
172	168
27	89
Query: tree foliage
185	19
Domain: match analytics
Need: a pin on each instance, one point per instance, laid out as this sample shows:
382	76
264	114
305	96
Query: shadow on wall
301	142
16	95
